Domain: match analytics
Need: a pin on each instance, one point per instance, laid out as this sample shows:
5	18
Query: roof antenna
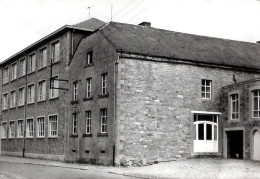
89	8
111	12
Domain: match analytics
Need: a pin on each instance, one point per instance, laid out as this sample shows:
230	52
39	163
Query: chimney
258	42
146	24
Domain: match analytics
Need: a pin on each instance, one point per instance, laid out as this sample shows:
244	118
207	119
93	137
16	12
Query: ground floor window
205	128
4	130
11	129
53	126
40	127
20	128
29	127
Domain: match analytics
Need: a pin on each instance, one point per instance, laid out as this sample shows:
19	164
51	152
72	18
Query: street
14	170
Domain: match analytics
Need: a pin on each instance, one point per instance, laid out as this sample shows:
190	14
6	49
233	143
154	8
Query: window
13	99
31	63
6	75
42	90
206	89
40	127
89	58
4	130
55	52
74	123
30	94
5	101
54	84
13	71
256	105
234	106
88	90
21	96
22	67
53	126
88	122
43	58
20	128
11	129
29	127
103	120
75	91
104	83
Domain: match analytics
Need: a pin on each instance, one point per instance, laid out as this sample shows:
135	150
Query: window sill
40	137
42	68
11	138
53	98
20	106
12	108
19	137
74	136
13	80
102	134
6	83
52	137
205	100
29	137
41	101
74	102
53	63
31	72
30	103
21	76
103	95
88	99
254	119
5	109
89	65
87	135
3	138
233	120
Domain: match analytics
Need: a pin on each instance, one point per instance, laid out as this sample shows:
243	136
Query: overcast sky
26	21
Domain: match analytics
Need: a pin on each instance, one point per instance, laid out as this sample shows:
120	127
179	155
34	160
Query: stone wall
154	104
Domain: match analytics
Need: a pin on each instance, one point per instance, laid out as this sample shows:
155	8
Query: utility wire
131	1
136	15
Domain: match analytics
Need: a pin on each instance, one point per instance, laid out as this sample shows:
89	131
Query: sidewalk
192	168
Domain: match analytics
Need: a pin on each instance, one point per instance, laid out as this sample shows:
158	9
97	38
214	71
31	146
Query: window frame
28	96
53	57
101	121
230	106
11	132
5	106
13	71
54	91
42	62
204	85
251	103
88	122
74	127
104	84
42	89
31	63
4	130
6	75
89	87
89	58
12	103
23	87
49	126
18	127
75	90
38	127
22	67
28	127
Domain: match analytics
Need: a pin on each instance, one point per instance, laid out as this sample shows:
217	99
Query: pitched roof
162	43
92	24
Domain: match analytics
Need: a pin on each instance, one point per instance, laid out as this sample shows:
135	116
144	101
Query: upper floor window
103	120
206	89
53	126
88	87
21	96
6	75
234	106
104	83
22	67
31	63
4	130
11	129
13	71
5	101
29	127
55	52
20	129
54	84
42	90
75	91
256	103
13	99
89	58
43	58
30	93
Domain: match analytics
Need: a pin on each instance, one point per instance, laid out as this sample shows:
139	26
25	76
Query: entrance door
206	133
235	144
256	148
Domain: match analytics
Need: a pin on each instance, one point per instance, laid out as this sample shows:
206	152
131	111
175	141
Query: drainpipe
115	116
25	105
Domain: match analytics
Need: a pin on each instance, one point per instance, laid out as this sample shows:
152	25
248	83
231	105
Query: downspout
115	116
25	103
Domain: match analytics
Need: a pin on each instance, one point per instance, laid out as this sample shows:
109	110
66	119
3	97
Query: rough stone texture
104	57
154	104
245	120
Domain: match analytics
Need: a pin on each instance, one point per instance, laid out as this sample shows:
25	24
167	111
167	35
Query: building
135	94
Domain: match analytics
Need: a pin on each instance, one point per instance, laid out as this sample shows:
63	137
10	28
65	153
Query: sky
25	21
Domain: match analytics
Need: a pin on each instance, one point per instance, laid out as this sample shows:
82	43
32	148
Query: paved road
31	171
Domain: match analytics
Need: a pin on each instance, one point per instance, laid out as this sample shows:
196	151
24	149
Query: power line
122	9
131	10
137	15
